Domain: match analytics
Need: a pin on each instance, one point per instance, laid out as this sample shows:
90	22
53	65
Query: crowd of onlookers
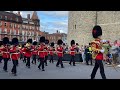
111	52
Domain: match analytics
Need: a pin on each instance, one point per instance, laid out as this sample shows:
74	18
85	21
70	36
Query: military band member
60	53
23	52
1	47
46	51
41	52
72	52
15	54
97	49
51	51
6	54
28	51
34	52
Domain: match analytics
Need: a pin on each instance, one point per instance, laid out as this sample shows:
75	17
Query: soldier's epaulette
97	42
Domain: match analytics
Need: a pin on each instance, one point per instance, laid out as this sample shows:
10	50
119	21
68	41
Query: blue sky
51	21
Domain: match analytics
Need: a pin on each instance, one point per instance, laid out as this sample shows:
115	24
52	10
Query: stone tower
81	23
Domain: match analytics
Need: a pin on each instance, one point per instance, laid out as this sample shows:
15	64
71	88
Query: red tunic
72	50
99	55
34	52
41	51
60	51
15	54
51	51
28	52
46	51
6	53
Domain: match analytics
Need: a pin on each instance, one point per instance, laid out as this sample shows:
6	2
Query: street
80	71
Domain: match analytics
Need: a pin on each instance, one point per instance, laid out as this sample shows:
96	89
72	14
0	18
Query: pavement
80	71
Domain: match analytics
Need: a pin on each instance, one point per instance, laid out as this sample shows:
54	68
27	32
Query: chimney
28	16
19	13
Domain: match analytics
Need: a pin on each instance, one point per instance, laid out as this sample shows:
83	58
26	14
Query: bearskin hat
14	41
97	31
72	42
34	43
29	41
46	41
42	39
64	44
52	44
5	40
77	44
59	42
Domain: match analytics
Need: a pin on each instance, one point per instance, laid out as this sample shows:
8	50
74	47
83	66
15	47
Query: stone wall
80	25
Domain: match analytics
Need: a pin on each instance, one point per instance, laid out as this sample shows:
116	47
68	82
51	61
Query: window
75	26
10	18
10	31
17	19
14	32
14	25
5	24
0	17
5	30
11	25
0	30
5	17
0	23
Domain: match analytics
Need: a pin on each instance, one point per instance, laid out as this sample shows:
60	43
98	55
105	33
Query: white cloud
56	13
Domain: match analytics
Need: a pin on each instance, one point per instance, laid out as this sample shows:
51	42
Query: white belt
15	53
6	52
72	51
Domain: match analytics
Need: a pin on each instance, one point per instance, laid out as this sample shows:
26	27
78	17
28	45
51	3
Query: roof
10	17
34	16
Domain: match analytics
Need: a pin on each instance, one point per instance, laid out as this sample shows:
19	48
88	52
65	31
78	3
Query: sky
51	21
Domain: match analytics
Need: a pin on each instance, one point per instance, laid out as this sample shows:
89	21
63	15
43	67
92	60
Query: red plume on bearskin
59	42
97	31
29	41
72	42
5	40
14	41
42	39
46	41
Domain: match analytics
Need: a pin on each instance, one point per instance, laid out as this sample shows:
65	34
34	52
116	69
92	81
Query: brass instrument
95	50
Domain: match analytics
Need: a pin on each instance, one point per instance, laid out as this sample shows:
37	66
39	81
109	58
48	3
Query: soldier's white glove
102	50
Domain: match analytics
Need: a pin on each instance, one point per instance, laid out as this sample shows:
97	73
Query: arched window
75	26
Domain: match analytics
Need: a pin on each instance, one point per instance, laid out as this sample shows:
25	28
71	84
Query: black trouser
81	60
51	58
34	59
5	63
14	66
88	58
1	58
60	61
46	57
21	56
17	63
98	63
72	59
28	61
41	63
24	59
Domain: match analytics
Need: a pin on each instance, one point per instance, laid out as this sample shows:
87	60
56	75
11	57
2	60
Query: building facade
81	23
55	36
14	25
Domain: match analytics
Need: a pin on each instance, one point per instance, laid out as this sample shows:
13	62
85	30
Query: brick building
55	36
14	25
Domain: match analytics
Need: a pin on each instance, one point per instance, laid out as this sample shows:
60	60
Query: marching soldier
97	49
51	51
34	53
1	46
46	51
72	52
28	51
60	53
41	52
15	55
6	54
